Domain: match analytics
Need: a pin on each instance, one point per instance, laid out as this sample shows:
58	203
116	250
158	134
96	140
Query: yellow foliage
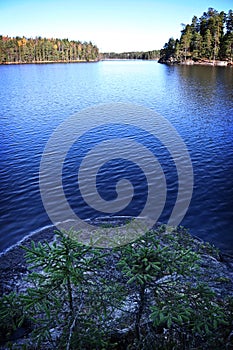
22	42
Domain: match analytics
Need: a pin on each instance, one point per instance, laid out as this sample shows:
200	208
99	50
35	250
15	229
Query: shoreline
47	62
47	233
128	59
190	62
13	264
36	232
13	255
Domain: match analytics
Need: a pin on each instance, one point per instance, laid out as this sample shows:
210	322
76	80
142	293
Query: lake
196	100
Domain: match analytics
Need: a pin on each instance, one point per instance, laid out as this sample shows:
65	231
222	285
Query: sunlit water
198	101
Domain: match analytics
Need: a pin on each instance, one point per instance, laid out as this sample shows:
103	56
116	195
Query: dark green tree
185	41
168	51
209	37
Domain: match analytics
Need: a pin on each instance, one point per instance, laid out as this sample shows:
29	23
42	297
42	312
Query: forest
38	50
209	37
132	55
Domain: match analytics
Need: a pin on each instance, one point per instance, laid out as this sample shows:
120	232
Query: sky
112	25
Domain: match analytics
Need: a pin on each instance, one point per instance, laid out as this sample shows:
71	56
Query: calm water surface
198	101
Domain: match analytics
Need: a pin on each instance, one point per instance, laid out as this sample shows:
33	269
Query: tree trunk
140	311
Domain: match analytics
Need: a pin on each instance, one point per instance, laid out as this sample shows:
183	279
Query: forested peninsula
207	40
43	50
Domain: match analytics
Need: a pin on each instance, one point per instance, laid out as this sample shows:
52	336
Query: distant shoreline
127	59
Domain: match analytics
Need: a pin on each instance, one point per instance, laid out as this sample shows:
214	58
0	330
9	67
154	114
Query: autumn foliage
23	50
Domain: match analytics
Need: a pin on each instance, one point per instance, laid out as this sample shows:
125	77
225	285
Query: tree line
208	37
132	55
33	50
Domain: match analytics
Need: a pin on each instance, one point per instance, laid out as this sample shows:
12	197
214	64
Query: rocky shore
190	62
216	270
217	266
13	265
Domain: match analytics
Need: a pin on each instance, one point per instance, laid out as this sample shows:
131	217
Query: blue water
198	101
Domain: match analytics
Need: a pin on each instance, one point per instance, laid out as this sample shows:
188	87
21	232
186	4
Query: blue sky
113	25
